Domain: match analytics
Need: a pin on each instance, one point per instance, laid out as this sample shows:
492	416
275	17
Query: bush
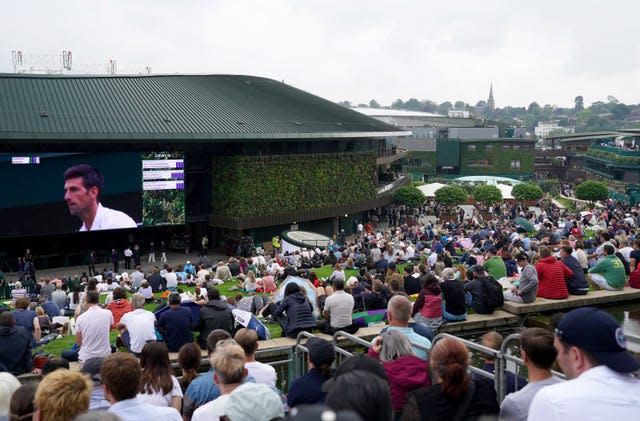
551	186
409	195
592	191
527	191
487	194
451	195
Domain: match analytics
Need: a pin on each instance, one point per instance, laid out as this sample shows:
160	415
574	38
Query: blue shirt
175	325
415	339
307	389
136	410
200	391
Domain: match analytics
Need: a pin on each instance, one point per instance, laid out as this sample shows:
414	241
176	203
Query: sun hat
598	333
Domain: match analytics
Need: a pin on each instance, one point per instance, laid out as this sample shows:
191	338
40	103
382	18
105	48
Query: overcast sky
356	50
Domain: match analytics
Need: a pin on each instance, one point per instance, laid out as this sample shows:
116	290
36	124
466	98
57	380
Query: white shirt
128	252
339	305
597	394
157	399
211	411
136	410
94	326
140	324
172	279
263	373
107	219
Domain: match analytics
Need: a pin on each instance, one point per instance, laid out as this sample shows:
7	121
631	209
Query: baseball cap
92	367
598	333
254	402
522	256
321	351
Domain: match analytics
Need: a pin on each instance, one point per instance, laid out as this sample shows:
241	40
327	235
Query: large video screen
56	193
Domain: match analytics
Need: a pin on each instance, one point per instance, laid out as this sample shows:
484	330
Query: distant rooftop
383	112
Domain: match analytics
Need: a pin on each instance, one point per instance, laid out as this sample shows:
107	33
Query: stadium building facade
250	156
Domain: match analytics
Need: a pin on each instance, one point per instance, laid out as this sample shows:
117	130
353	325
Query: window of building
515	164
516	147
506	146
471	147
478	163
488	148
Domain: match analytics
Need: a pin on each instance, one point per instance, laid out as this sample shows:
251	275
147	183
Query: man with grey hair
399	313
139	324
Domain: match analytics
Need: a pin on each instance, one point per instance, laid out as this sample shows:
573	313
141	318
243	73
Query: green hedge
268	185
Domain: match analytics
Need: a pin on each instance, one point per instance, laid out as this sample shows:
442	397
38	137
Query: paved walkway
173	259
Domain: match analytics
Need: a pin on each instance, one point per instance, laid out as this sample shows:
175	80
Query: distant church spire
491	104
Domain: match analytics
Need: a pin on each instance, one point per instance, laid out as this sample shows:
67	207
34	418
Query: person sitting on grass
609	273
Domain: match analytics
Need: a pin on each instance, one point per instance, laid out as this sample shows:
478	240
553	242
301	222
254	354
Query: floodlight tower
41	63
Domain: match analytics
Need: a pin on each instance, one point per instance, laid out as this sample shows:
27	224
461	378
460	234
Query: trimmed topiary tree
527	191
409	195
592	191
487	194
451	195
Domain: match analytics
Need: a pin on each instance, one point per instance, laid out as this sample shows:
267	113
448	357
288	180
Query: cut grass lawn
56	346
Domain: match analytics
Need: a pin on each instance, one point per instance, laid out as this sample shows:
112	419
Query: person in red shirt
552	276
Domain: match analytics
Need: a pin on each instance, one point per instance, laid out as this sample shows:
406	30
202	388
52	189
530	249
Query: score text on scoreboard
163	174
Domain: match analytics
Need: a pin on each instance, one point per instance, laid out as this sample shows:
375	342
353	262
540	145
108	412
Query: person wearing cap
493	264
254	402
176	324
592	352
552	276
609	273
92	369
308	389
527	288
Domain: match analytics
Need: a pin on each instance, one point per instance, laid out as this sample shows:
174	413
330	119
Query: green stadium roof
165	107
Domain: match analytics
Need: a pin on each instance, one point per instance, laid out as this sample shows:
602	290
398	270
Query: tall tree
345	104
413	104
579	104
429	106
374	104
459	105
398	104
444	107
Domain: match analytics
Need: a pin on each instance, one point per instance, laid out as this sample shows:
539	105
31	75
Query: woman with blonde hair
454	394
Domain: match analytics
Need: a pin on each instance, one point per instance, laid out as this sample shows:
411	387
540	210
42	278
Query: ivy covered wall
268	185
491	158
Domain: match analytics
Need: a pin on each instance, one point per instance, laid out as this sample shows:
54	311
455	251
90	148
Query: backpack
492	293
